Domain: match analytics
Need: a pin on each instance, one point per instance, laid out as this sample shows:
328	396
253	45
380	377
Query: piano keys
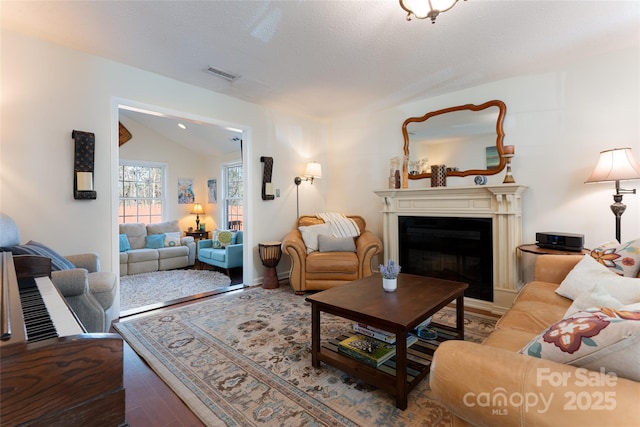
44	315
52	372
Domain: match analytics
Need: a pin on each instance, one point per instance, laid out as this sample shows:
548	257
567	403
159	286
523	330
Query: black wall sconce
267	185
83	163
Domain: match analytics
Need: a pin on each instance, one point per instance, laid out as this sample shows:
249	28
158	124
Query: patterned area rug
138	290
243	359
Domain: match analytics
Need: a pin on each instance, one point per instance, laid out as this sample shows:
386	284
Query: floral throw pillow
622	259
597	338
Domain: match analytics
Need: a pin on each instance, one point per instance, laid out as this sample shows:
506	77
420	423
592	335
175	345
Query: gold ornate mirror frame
502	110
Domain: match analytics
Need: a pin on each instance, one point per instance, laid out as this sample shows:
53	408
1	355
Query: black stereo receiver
560	241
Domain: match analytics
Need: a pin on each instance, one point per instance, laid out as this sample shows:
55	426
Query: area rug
139	290
243	359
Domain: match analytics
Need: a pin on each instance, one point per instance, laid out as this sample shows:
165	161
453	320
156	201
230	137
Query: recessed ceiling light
181	126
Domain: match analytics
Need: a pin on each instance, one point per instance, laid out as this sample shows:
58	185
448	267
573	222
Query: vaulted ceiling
327	58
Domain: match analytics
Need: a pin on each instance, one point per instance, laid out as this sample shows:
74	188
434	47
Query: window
141	188
232	173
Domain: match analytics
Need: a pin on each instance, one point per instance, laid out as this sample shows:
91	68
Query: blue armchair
227	257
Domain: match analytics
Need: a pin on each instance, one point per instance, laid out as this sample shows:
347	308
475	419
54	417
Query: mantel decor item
617	164
508	153
394	172
438	176
389	273
469	127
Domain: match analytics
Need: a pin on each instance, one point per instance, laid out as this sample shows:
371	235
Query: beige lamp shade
197	209
617	164
314	170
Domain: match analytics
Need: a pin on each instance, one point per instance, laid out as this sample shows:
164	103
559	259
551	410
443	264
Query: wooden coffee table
416	299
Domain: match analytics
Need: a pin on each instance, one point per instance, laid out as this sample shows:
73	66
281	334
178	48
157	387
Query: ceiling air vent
230	77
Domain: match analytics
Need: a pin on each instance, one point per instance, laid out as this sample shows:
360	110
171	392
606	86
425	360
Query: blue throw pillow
58	262
154	241
124	243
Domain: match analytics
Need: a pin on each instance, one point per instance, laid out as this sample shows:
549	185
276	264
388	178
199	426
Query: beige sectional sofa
492	384
176	251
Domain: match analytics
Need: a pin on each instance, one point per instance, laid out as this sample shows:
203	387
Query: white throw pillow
598	297
172	239
310	234
589	272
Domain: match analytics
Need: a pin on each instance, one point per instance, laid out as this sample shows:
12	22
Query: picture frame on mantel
493	158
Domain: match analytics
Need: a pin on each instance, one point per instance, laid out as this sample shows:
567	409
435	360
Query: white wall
558	122
48	91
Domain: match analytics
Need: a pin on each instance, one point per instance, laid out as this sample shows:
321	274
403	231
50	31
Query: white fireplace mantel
502	203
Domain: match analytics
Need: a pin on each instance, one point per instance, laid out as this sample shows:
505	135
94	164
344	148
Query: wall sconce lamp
313	170
422	9
616	165
197	211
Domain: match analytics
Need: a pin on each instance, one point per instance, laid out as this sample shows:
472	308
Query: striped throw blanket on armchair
341	226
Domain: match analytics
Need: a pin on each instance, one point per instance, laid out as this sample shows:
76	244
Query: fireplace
449	248
497	206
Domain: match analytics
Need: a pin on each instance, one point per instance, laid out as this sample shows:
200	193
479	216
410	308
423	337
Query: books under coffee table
369	350
414	301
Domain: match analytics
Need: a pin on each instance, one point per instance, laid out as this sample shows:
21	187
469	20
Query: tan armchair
323	270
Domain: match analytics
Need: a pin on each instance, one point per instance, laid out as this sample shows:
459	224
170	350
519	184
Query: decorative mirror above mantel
466	138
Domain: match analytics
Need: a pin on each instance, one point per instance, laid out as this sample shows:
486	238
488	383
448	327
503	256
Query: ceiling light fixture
423	9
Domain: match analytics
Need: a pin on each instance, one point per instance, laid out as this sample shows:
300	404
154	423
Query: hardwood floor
150	402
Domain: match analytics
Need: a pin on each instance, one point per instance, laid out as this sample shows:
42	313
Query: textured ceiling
326	58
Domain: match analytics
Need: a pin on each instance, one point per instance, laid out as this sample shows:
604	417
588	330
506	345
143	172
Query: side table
197	235
527	261
535	249
270	253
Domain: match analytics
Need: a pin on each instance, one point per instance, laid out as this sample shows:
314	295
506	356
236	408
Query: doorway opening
193	150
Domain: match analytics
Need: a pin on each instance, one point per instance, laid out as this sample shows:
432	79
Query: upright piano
53	373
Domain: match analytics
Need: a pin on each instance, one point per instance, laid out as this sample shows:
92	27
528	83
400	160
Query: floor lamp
313	170
617	164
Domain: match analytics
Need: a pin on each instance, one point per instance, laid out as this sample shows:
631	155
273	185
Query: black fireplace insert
451	248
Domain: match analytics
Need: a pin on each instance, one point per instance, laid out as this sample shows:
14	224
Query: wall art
185	191
212	186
